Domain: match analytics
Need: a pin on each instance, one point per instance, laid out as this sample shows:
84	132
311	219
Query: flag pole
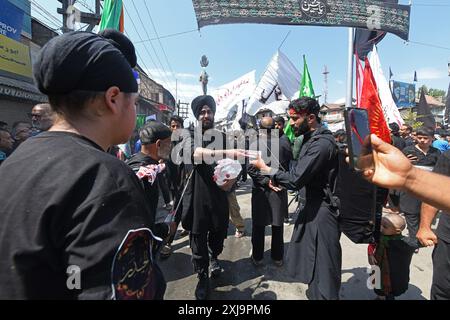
348	100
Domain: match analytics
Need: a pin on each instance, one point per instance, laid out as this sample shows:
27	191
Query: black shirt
428	159
409	141
398	142
151	190
64	202
443	167
317	157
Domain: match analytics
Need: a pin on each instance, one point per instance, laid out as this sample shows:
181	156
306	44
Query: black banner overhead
367	14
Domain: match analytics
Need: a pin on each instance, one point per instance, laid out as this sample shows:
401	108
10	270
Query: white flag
390	109
232	94
279	82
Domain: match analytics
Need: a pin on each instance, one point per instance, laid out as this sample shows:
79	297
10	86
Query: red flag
121	21
372	103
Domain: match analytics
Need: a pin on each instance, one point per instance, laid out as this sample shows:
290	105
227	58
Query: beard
304	128
207	124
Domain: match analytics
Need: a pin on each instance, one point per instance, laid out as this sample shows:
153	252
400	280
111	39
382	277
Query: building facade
18	49
155	101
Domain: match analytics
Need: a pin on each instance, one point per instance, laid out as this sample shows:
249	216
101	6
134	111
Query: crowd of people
79	201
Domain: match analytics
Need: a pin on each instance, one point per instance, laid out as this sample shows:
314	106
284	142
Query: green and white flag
306	87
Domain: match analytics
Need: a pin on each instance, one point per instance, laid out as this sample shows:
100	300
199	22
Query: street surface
241	280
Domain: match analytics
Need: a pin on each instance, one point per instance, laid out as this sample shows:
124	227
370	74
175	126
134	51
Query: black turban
121	42
82	61
198	103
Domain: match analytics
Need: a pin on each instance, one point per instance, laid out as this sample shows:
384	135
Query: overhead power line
164	74
429	45
159	41
167	36
37	5
139	55
164	51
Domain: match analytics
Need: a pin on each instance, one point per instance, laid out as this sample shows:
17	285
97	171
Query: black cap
153	131
82	61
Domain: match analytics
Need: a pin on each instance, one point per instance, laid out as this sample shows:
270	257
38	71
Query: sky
236	49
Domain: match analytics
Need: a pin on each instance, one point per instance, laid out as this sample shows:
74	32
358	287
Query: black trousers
164	187
412	223
177	219
440	287
277	243
203	245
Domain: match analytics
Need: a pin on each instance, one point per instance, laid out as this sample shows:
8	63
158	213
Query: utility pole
71	15
325	90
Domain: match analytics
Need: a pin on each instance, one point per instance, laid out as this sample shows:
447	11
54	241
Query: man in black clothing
205	204
440	287
174	175
77	225
397	141
405	133
314	254
285	153
269	201
424	156
341	137
156	144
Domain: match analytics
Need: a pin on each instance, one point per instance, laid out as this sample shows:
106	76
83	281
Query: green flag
112	10
140	120
306	87
289	132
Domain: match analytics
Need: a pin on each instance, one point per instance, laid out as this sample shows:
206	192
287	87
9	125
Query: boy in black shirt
77	225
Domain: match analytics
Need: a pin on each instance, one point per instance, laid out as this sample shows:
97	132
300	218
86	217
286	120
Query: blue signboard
404	94
11	20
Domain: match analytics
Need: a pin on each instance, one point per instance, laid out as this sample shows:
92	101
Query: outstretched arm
388	167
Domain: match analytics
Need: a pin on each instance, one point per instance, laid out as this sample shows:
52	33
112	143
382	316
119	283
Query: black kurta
64	202
205	205
270	207
314	253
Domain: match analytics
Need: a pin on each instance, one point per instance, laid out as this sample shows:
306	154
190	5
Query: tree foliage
411	118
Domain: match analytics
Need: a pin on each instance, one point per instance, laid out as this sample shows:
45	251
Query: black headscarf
121	42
